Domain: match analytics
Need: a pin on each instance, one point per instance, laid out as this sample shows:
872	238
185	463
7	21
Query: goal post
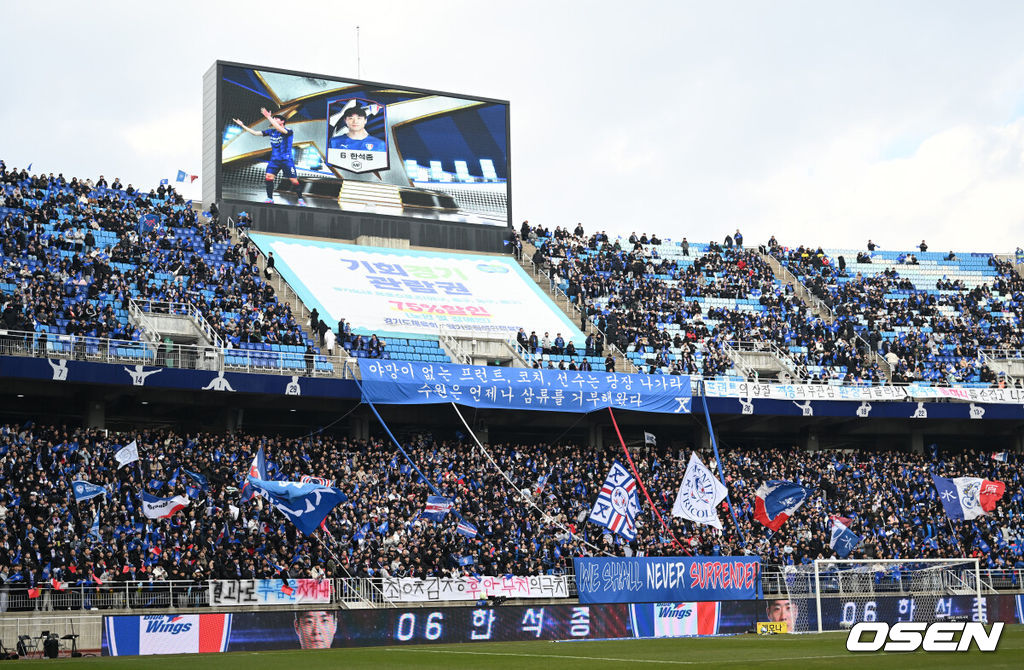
834	594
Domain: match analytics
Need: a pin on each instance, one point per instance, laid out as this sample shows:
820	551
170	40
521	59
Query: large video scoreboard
295	139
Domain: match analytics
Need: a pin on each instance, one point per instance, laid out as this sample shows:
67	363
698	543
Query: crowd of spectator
160	250
534	524
941	330
633	293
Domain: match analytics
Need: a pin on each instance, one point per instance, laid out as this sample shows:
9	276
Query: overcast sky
823	123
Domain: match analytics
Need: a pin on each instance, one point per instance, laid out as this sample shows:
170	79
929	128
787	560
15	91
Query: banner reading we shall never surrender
667	579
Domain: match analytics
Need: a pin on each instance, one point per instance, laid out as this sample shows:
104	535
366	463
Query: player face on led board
355	119
783	610
316	629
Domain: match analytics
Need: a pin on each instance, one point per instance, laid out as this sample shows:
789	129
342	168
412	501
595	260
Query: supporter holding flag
617	504
94	530
966	498
466	528
777	501
437	508
83	490
305	505
203	482
1000	456
843	540
699	494
257	470
127	454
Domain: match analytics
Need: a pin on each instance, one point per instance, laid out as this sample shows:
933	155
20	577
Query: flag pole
721	465
956	537
515	488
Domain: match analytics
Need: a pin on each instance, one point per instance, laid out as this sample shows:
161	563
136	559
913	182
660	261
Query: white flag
649	438
129	453
699	494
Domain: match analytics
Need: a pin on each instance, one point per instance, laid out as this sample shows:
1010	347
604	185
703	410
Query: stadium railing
260	358
354	592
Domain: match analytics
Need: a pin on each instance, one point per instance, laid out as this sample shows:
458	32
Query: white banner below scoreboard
753	390
438	589
404	291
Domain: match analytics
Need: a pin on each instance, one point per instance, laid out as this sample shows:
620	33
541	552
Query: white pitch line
609	658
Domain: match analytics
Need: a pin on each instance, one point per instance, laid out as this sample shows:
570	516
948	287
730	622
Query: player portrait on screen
281	156
783	610
350	144
316	628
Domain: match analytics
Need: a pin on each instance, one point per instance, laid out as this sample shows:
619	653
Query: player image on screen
783	610
316	628
350	144
359	147
356	137
281	157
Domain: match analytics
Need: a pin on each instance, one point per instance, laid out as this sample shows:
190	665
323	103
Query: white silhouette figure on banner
748	405
977	412
807	408
920	412
864	410
293	387
139	374
218	383
60	369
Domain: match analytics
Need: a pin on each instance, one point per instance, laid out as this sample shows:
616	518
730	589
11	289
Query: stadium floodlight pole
643	488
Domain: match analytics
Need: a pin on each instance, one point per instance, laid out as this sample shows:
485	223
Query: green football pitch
747	651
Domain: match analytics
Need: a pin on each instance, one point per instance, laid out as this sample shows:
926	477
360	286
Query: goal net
834	594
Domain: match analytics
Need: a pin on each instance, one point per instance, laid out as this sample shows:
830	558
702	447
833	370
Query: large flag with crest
305	505
777	501
699	494
966	498
617	504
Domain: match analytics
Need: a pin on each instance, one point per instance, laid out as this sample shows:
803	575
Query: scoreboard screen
299	139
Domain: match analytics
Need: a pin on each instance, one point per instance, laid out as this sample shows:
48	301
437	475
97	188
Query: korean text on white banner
258	592
438	589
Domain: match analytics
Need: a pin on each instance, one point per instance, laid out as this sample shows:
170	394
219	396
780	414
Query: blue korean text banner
402	382
665	579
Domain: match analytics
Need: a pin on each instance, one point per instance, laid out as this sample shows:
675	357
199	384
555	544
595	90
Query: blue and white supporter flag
437	508
127	454
843	540
305	505
466	528
84	490
203	482
617	504
94	531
